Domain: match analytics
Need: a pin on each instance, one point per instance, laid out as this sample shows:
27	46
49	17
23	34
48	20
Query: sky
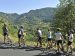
23	6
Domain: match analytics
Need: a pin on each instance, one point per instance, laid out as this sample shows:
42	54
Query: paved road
17	52
23	52
6	50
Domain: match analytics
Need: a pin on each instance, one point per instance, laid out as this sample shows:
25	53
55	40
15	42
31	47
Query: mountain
36	17
9	17
42	18
44	14
31	20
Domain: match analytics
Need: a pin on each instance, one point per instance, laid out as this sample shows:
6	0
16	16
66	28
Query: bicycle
47	49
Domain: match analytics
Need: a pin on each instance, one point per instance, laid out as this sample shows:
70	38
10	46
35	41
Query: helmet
21	26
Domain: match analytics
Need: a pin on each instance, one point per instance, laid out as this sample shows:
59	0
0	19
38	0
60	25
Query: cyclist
21	36
49	38
70	40
5	32
58	39
39	37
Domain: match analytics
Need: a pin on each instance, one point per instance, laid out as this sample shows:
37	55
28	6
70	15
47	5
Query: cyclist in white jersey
39	35
58	39
70	40
49	38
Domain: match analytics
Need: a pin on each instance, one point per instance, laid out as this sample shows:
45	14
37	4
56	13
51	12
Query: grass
28	43
1	37
14	39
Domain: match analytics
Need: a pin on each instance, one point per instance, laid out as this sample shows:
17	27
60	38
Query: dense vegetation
33	19
65	15
62	17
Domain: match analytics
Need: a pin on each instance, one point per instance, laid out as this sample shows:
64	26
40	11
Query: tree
65	15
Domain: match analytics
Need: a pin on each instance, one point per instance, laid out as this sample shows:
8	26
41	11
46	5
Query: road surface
7	50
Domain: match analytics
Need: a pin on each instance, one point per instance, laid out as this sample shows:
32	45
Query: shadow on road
53	53
15	46
32	48
49	54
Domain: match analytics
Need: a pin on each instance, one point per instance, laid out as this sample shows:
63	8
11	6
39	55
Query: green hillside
36	18
33	19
